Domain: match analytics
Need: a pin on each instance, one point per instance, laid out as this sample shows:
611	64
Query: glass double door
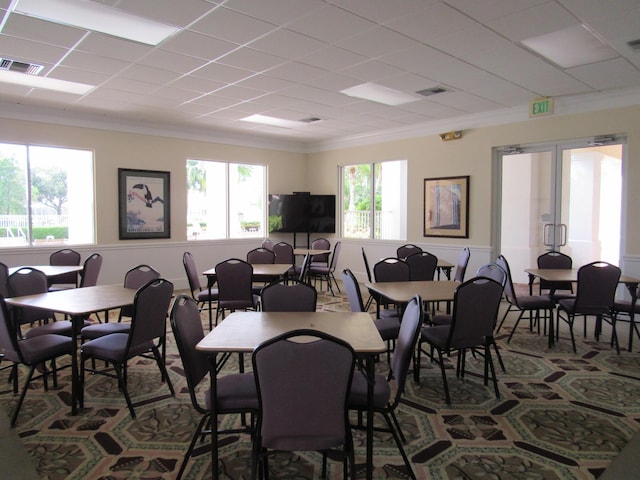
561	197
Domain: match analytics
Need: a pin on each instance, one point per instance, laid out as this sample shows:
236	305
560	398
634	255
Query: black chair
625	311
422	266
267	243
146	336
556	260
4	280
284	255
407	249
261	255
384	402
389	326
288	296
327	272
524	303
461	267
321	259
235	393
31	352
303	387
30	281
303	269
390	269
235	287
475	309
202	296
595	296
64	257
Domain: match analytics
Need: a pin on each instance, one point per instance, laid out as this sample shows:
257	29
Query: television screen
302	213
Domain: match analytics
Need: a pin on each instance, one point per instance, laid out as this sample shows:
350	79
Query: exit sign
540	107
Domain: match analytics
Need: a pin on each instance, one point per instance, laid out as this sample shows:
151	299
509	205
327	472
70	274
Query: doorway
563	197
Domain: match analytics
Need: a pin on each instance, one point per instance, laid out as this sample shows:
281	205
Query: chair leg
27	381
163	370
513	330
123	387
187	455
399	439
444	378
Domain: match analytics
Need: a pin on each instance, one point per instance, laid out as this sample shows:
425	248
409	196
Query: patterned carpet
560	416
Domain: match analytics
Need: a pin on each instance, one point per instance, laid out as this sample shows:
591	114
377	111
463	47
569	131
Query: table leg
633	291
370	365
531	279
77	396
214	416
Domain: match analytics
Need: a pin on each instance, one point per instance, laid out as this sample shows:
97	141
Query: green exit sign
540	107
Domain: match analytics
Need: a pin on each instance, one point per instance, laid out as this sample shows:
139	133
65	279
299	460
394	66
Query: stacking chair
475	309
31	352
422	265
64	257
556	260
30	281
388	326
627	309
289	296
145	336
235	287
372	295
407	249
303	269
203	296
384	402
235	393
257	256
267	243
303	388
88	278
461	267
323	258
524	303
4	280
595	296
327	272
390	269
284	255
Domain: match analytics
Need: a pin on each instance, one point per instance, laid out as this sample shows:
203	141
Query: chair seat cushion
438	335
203	295
101	329
112	348
625	306
535	302
235	391
42	347
441	319
60	327
388	327
358	394
569	306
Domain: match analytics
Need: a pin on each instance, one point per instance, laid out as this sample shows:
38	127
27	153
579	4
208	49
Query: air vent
634	44
20	67
311	119
427	92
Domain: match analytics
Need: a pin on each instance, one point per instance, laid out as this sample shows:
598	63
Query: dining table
242	332
77	303
50	270
571	275
431	291
443	266
310	251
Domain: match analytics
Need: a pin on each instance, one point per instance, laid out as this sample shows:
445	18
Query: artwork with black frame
446	207
144	204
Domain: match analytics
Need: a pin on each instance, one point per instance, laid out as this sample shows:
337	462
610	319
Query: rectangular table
244	331
571	275
310	251
77	303
429	290
50	270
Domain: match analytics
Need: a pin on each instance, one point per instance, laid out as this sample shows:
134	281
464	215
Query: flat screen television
302	213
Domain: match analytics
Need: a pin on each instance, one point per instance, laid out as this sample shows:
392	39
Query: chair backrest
4	280
304	268
475	311
410	328
463	261
422	265
267	243
596	287
556	260
150	309
352	289
139	276
303	388
192	273
366	265
8	339
321	244
65	257
260	255
284	252
391	269
334	256
91	270
493	271
29	281
289	297
407	249
234	283
187	330
509	290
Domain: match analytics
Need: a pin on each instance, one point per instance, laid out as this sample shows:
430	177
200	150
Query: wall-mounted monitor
302	213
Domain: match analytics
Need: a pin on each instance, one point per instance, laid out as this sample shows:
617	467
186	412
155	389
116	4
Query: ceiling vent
634	44
20	67
311	119
427	92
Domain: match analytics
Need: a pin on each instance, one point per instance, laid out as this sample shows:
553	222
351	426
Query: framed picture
144	201
446	207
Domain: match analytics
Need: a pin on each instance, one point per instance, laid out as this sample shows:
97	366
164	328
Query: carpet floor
560	415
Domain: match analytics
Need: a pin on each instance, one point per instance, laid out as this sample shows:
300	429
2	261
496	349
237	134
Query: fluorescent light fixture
98	18
571	47
46	83
380	94
273	121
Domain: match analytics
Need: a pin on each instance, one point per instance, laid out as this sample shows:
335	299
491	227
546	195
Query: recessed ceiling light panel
380	94
33	81
273	121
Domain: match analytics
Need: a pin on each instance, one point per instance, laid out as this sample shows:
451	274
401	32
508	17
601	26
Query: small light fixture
273	121
98	18
380	94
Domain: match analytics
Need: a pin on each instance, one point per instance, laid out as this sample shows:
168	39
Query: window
225	200
374	200
46	196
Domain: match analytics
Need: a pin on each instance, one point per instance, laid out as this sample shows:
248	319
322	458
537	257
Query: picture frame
144	204
446	207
